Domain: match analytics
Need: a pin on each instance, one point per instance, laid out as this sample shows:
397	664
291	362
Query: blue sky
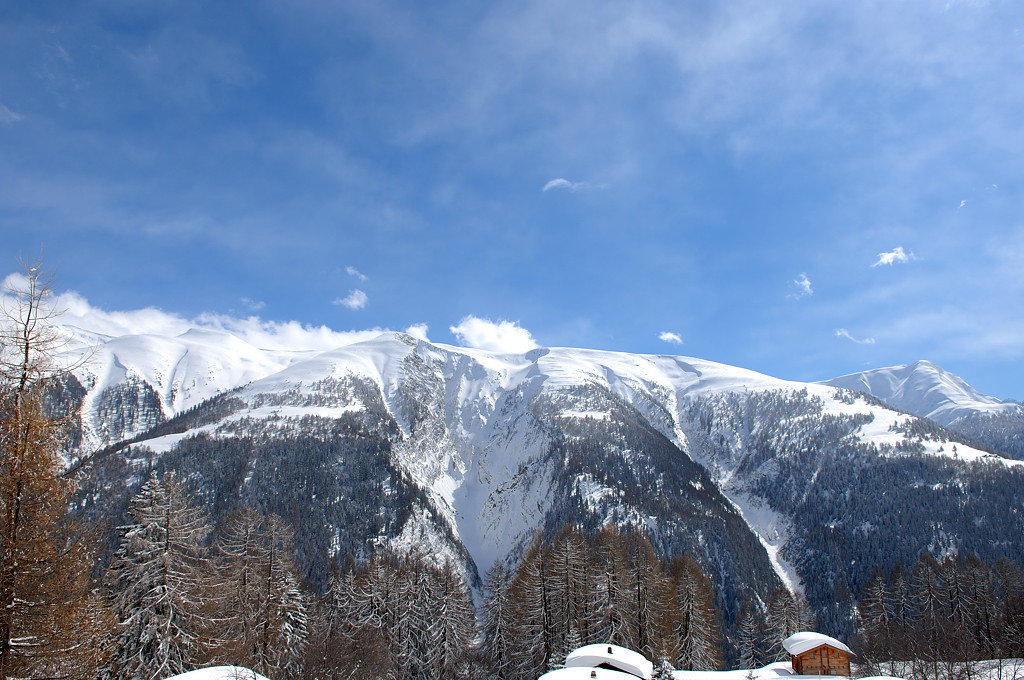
806	189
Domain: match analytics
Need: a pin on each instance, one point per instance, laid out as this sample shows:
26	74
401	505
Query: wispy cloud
801	287
843	333
565	185
896	256
356	299
670	337
352	271
8	116
253	305
495	336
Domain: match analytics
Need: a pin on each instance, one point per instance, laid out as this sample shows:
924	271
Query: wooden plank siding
823	660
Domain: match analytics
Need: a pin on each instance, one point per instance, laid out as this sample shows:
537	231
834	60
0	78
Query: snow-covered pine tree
782	620
157	580
902	613
805	616
281	624
422	632
353	642
696	638
663	669
498	624
612	599
875	614
569	560
749	636
455	628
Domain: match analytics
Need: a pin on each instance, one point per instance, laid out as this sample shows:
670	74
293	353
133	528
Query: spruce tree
784	617
157	580
749	636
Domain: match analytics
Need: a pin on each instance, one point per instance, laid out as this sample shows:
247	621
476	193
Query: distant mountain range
465	454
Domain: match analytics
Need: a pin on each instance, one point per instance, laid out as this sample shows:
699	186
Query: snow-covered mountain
466	453
926	390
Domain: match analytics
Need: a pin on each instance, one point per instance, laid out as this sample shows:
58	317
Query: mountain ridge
469	452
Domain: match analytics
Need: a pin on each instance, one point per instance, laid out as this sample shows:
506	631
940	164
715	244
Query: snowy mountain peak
922	388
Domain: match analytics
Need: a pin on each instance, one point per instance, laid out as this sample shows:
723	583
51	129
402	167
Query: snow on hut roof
220	673
618	658
586	673
805	641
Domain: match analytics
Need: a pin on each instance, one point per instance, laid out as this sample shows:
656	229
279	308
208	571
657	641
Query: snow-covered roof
220	673
780	670
805	641
585	673
626	660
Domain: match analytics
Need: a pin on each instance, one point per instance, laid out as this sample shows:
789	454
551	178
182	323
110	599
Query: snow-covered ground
220	673
997	669
782	669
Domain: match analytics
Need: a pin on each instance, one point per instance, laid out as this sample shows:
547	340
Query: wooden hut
817	654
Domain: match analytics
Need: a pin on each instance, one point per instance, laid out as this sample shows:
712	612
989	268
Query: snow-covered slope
924	389
220	673
156	377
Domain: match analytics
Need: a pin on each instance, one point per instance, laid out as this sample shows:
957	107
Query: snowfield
221	673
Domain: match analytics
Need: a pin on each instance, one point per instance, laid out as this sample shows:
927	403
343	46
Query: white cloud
501	336
254	305
284	335
561	183
843	333
802	287
78	314
897	256
670	337
356	299
352	271
418	331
